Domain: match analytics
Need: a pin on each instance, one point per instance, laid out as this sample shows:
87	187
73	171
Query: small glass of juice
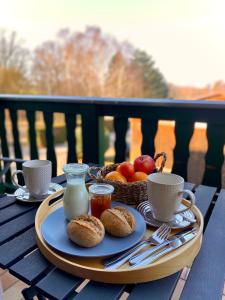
100	197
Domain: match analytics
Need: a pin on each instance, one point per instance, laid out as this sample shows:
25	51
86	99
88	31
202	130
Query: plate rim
115	203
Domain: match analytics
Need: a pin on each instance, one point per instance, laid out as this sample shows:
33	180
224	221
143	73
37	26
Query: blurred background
132	49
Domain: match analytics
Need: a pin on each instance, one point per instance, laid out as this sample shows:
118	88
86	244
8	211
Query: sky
186	38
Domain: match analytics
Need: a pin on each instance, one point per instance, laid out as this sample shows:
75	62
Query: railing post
16	140
148	128
214	156
70	119
101	140
4	143
32	134
90	134
183	133
120	126
48	118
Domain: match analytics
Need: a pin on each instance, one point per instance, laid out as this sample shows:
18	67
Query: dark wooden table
20	255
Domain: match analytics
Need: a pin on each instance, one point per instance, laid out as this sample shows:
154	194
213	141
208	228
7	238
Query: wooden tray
93	268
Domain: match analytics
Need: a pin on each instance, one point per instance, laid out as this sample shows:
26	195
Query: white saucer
24	196
179	221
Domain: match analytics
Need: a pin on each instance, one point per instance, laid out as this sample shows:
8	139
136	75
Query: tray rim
114	276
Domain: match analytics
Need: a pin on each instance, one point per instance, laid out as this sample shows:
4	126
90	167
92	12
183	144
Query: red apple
144	163
126	169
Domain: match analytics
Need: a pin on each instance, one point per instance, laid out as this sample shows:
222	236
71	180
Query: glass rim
101	189
75	168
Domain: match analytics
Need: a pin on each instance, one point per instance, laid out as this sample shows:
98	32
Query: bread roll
86	231
118	221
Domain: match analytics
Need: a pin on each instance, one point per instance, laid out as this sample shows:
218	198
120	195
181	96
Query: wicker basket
130	193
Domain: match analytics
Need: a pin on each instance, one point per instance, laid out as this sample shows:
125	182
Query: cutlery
186	218
139	257
174	244
156	238
9	195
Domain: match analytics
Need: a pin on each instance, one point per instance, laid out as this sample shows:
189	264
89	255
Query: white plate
179	221
24	196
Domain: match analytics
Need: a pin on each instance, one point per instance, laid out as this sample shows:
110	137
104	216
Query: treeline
216	91
87	63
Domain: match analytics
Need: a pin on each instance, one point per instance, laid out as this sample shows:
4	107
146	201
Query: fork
158	237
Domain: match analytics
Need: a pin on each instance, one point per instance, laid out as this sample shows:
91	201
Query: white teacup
37	176
165	192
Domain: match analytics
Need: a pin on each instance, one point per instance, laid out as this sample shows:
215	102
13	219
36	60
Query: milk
75	198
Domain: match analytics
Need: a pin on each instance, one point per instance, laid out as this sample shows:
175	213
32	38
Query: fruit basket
131	193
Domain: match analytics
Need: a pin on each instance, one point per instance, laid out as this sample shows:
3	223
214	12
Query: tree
48	67
74	64
91	63
13	63
154	84
123	78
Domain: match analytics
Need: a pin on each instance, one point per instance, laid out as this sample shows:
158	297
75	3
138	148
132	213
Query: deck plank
16	248
14	211
31	267
58	284
17	226
6	201
96	290
206	277
204	196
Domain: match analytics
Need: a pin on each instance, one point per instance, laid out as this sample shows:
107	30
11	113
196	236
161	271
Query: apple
144	163
126	169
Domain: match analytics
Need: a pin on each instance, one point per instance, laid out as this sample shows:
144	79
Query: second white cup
165	192
37	176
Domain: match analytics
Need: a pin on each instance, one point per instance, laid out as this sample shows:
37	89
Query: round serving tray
93	268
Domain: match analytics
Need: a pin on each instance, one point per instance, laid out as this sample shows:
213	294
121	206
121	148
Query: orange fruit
138	176
115	176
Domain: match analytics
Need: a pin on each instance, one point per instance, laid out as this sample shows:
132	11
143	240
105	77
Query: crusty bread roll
118	221
86	231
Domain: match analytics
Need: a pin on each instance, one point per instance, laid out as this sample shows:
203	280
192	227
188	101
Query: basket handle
164	155
91	175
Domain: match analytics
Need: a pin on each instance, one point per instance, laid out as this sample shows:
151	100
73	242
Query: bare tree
75	63
13	63
124	79
48	67
91	63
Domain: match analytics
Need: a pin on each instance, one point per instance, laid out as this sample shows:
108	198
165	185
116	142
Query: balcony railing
184	112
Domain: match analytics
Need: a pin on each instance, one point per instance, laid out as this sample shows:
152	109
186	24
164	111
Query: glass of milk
75	201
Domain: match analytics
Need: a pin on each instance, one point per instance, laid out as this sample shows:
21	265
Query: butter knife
139	257
176	243
115	262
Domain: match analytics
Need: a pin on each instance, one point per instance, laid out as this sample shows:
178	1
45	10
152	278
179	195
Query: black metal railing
92	109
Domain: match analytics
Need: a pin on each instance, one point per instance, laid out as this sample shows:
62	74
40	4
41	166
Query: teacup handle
192	201
14	181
